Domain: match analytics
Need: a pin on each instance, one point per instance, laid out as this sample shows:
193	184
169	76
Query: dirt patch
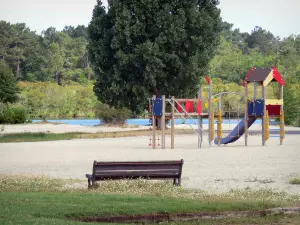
168	217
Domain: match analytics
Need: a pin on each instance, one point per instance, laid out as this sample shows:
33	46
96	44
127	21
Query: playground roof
264	75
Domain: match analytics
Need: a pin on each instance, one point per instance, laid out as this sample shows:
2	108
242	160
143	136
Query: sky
281	18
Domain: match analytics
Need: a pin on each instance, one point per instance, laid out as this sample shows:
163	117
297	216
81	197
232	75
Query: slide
237	132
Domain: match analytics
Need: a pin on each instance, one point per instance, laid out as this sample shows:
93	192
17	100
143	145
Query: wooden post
153	124
163	123
172	122
282	132
263	119
200	125
246	114
210	114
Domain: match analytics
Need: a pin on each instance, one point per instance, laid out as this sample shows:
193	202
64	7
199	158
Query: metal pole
264	115
246	113
200	120
210	114
219	130
153	124
172	122
163	123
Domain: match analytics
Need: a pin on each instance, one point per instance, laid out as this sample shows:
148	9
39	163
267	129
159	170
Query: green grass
294	180
33	137
41	200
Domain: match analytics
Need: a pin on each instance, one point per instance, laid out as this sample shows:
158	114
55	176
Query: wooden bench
136	170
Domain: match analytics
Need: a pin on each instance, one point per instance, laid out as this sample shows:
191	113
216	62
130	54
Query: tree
17	44
139	45
261	39
8	87
291	101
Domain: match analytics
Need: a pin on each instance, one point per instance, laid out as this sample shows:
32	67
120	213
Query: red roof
260	74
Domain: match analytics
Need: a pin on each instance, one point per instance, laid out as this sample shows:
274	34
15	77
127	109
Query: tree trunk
18	69
56	77
88	66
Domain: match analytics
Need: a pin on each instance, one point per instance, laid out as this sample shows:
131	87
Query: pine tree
8	86
141	45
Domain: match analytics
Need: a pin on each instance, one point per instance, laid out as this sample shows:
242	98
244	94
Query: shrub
294	180
112	115
13	114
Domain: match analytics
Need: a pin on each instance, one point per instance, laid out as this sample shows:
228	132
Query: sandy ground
215	169
62	128
65	128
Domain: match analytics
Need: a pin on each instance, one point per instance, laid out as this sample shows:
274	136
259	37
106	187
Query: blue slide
237	132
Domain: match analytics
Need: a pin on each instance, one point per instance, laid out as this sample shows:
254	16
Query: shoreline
58	128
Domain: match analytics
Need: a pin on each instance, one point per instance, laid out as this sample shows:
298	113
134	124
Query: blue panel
250	108
157	107
256	108
259	107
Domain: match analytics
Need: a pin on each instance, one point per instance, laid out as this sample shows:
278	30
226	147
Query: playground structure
255	108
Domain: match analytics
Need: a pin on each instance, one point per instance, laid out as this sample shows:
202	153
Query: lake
140	122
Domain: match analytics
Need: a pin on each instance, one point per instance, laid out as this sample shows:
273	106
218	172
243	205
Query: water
140	122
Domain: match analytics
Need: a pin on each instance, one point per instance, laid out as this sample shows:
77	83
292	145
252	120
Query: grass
35	137
294	180
41	200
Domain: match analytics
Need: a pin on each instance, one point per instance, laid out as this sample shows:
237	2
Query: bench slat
137	173
139	167
122	177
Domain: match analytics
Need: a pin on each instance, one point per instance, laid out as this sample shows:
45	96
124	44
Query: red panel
199	107
248	75
189	106
207	80
277	76
179	108
273	110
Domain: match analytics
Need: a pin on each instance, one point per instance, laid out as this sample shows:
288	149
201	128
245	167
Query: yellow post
282	132
267	126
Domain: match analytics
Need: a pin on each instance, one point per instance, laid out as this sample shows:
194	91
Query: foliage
45	57
139	46
49	100
292	101
8	86
111	115
13	114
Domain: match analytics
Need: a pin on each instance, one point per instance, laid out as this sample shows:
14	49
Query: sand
65	128
215	169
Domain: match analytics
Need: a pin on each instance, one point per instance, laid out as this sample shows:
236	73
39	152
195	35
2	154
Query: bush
112	115
12	114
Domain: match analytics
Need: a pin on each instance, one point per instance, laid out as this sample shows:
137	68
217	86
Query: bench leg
89	183
177	181
174	181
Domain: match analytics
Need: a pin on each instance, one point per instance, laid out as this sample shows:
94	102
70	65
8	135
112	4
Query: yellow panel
274	102
268	79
